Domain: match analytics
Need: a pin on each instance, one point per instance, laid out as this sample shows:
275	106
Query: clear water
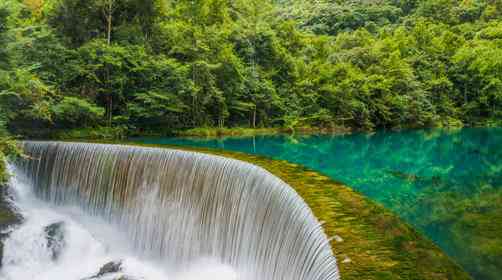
448	184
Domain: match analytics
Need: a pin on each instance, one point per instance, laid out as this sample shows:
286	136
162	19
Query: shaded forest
129	66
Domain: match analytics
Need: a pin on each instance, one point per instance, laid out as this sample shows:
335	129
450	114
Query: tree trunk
221	121
465	95
108	13
254	117
109	22
110	110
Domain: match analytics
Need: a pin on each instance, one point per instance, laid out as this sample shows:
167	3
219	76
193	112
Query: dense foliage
159	65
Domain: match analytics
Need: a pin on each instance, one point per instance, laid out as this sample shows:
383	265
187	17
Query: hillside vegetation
116	67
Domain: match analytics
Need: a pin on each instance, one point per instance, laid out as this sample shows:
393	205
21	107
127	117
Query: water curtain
178	206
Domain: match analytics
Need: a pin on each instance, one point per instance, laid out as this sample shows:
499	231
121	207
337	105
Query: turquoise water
448	184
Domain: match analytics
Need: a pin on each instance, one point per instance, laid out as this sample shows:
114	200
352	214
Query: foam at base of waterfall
89	244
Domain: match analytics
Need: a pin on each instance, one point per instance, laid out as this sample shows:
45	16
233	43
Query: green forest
125	67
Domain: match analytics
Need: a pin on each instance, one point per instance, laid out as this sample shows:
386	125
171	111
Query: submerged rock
404	175
55	239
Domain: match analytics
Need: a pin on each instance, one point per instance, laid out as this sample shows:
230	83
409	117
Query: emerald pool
446	183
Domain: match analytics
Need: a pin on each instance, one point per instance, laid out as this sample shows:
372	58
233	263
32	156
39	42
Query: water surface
448	184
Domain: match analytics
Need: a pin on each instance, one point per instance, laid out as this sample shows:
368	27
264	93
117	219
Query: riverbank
245	131
122	132
368	240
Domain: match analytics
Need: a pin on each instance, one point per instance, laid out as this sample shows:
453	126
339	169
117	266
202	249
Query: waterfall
178	207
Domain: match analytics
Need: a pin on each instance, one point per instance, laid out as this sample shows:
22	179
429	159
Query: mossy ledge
370	242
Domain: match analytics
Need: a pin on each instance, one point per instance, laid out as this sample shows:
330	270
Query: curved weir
180	207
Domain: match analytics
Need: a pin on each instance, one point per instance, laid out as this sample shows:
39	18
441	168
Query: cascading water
88	244
185	212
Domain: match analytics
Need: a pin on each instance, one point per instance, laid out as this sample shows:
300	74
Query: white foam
89	244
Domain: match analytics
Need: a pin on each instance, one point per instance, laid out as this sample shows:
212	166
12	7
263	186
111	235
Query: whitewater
89	243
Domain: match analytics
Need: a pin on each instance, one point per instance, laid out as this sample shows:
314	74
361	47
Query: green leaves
175	64
481	60
74	112
155	105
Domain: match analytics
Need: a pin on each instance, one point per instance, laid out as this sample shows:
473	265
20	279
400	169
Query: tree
482	61
75	112
108	7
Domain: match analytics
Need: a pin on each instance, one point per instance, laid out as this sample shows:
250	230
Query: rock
8	217
111	267
125	277
404	175
1	253
55	239
337	238
108	268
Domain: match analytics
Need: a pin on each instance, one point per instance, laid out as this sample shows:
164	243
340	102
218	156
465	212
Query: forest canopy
162	65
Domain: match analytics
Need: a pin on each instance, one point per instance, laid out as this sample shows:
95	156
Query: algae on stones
467	219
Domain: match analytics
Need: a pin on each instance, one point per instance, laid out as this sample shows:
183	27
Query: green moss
215	131
9	148
474	224
376	244
3	169
7	216
107	133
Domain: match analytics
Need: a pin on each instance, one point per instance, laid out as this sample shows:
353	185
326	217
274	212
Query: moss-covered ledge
369	241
